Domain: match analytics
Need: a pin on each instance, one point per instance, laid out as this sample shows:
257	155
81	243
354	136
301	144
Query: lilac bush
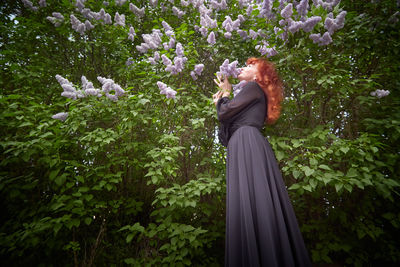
166	90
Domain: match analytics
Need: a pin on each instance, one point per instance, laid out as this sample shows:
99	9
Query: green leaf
324	167
307	170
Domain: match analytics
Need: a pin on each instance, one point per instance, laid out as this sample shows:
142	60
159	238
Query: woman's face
248	73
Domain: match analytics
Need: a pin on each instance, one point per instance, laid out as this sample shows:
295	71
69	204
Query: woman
261	227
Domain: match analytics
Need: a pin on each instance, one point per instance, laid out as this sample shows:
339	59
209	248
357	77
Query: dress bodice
247	108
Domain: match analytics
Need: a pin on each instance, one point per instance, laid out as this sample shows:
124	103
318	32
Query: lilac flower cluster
230	25
380	93
62	116
264	49
42	3
79	26
266	8
108	86
177	12
229	69
88	88
333	25
211	38
119	19
101	15
184	3
151	41
153	3
131	34
206	22
325	39
137	11
106	3
243	3
29	4
287	12
56	19
156	57
328	5
129	61
218	5
80	4
179	61
68	87
120	2
198	69
170	33
302	8
166	90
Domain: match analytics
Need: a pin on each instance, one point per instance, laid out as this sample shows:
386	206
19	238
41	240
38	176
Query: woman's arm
227	108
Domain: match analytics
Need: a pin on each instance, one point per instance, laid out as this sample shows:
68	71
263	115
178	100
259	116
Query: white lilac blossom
62	116
380	93
287	11
211	38
137	11
310	23
229	69
108	86
28	4
333	25
177	12
42	3
120	2
302	7
119	19
131	34
166	90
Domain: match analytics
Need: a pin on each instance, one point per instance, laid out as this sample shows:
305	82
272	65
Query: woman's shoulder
253	86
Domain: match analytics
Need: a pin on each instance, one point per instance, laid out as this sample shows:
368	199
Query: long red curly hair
271	84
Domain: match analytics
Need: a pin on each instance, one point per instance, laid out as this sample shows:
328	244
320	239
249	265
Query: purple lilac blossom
253	35
184	3
193	74
28	4
310	23
333	25
325	39
380	93
166	90
199	69
302	8
211	38
177	12
129	61
137	11
153	3
108	86
227	35
79	4
229	69
294	26
266	8
62	116
287	11
249	10
131	34
218	6
242	34
204	31
120	2
179	50
119	19
58	15
42	3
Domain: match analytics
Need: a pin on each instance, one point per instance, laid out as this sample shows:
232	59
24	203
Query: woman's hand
223	83
225	86
217	96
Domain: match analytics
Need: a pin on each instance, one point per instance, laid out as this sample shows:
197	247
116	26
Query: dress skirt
261	227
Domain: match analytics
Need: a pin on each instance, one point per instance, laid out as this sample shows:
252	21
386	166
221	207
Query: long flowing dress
261	227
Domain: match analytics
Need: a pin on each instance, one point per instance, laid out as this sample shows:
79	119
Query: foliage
140	181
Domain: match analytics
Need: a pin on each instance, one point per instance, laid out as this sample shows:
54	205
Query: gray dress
261	227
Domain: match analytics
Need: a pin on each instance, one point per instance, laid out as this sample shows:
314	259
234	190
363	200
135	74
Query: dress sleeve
227	108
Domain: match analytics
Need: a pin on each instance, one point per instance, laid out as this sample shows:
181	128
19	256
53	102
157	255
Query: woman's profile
261	227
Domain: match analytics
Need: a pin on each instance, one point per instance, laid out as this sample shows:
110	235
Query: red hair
271	84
